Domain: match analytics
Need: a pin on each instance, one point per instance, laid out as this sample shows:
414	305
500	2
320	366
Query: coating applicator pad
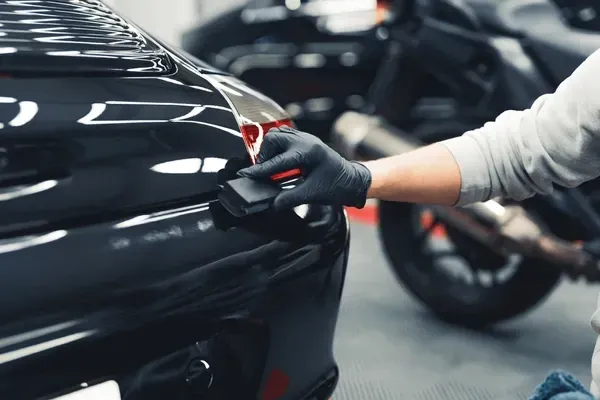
245	196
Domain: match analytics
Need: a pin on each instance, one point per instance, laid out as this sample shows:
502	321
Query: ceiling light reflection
12	340
27	111
76	53
48	30
38	348
160	216
171	80
191	166
97	109
105	391
15	192
176	82
38	21
8	50
152	103
213	164
200	88
195	112
10	245
184	166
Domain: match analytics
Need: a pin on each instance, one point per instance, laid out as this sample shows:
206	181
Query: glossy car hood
82	37
141	134
74	146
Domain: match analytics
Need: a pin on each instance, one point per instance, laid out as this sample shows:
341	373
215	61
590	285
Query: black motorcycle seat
558	46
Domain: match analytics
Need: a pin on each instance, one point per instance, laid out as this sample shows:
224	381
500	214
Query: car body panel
118	261
115	144
102	302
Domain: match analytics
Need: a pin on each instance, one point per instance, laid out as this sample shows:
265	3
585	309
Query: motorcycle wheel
488	289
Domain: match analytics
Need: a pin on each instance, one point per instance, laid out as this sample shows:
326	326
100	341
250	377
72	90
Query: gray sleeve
521	153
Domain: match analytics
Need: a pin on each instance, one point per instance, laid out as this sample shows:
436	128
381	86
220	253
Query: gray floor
388	347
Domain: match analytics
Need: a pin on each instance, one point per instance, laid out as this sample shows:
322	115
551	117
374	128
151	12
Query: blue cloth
560	385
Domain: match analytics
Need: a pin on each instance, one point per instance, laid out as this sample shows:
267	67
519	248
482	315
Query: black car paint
113	269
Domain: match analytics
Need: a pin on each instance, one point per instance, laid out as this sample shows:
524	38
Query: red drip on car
251	134
276	385
256	114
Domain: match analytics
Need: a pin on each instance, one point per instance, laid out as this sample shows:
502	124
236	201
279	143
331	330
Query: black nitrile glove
328	177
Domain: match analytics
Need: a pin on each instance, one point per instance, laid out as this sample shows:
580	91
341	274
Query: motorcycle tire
452	301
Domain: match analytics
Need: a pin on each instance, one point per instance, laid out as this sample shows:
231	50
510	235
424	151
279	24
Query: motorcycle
317	58
320	58
434	69
449	67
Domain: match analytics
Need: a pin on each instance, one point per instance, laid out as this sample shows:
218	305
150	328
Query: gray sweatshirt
521	153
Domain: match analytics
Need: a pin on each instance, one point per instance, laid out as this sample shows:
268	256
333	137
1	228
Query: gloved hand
328	177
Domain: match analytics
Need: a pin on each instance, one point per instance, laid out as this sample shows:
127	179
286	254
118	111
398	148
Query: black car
121	273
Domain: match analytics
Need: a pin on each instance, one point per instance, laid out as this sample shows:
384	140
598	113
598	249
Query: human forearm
556	141
428	175
521	153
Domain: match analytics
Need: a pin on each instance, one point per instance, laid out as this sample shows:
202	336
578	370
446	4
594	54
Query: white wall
168	19
210	8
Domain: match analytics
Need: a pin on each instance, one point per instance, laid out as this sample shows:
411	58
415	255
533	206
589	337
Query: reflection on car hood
81	36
